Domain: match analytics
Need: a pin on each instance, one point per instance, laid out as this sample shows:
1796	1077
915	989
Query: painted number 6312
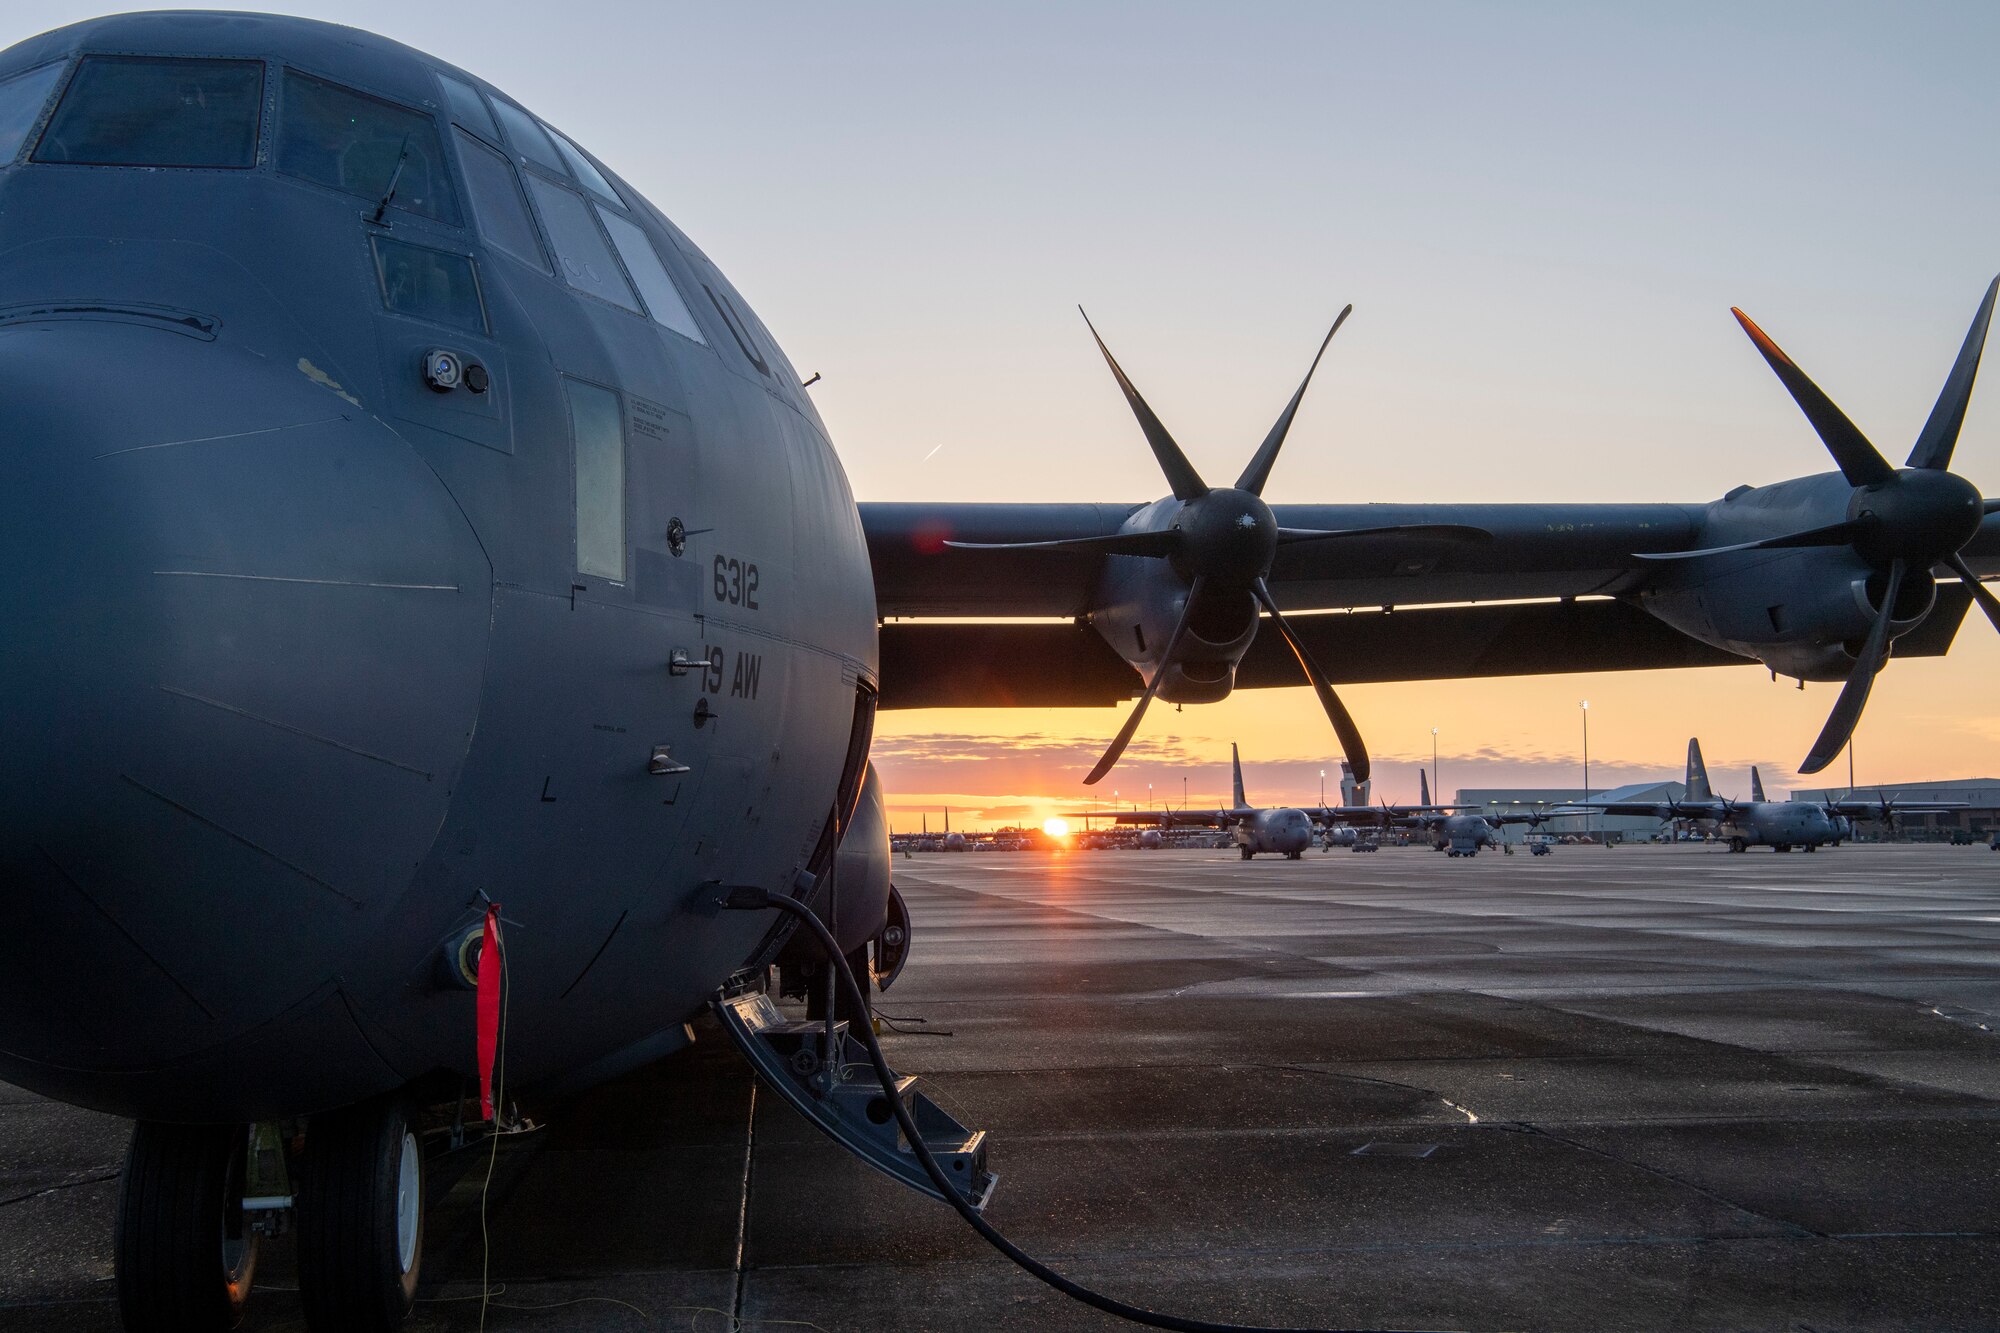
736	582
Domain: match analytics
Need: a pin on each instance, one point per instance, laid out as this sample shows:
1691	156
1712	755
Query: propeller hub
1920	515
1227	535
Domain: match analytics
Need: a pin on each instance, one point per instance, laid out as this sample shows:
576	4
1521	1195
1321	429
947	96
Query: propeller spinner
1221	541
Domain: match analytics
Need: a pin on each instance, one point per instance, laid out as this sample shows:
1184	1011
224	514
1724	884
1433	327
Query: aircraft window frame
582	168
54	69
378	242
90	61
524	138
542	193
445	189
457	107
739	330
609	483
472	149
654	297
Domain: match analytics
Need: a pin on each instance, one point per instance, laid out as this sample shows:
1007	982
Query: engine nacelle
1140	601
1802	614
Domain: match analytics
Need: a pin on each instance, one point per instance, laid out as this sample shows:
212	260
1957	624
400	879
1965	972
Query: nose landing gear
186	1250
183	1254
361	1218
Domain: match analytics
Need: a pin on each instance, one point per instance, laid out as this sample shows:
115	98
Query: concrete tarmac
1629	1089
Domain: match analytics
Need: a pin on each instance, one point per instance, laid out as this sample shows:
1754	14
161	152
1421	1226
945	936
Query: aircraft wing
980	628
1650	809
1874	809
1378	816
1166	818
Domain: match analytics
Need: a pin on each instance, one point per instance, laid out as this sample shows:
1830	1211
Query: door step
837	1090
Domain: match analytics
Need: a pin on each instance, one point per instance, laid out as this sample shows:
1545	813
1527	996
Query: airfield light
1056	827
1585	704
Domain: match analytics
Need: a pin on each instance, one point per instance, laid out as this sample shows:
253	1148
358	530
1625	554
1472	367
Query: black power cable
751	899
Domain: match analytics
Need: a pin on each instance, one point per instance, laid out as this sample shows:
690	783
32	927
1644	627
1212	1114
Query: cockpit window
468	108
21	100
593	179
429	284
144	111
497	207
527	139
363	145
581	254
662	293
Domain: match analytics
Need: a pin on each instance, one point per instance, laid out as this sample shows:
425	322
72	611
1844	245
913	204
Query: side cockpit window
429	284
363	145
146	111
585	170
498	209
527	139
581	254
467	108
663	297
22	98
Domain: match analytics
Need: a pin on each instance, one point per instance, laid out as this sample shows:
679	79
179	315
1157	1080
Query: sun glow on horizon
1056	827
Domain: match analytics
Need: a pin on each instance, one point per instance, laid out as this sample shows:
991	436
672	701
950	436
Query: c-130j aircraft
406	517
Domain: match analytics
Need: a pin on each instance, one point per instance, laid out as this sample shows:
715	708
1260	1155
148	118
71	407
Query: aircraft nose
245	632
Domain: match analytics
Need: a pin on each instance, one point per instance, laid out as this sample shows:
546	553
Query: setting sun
1056	828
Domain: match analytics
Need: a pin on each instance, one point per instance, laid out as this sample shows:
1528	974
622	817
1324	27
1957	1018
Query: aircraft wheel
360	1218
1247	853
1292	856
182	1254
1812	846
1738	845
1781	847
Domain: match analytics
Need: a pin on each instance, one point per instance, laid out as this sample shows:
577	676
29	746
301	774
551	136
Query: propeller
1900	520
1222	541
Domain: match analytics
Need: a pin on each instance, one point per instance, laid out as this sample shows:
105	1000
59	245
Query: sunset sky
1542	213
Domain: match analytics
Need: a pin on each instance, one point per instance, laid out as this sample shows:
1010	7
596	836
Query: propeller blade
1163	542
1259	471
1336	712
1857	459
1987	601
1125	733
1940	434
1833	534
1181	476
1854	694
1447	532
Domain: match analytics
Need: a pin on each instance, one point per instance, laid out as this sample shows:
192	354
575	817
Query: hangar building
1980	796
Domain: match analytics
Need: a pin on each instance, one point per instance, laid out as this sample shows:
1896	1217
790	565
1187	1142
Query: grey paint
298	661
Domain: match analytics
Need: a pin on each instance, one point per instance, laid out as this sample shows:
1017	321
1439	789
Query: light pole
1434	764
1587	821
1322	789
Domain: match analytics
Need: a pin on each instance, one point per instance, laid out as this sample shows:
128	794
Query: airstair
825	1073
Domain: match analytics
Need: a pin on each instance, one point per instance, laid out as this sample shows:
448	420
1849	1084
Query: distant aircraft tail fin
1756	785
1236	771
1697	774
1423	787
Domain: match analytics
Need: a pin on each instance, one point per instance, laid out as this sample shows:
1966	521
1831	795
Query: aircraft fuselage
309	654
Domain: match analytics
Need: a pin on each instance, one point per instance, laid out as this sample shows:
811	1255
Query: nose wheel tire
360	1218
1247	853
1738	845
183	1256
